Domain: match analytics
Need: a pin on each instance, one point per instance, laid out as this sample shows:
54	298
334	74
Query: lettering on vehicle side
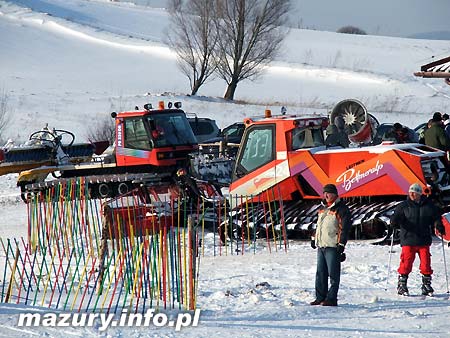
119	135
354	164
352	176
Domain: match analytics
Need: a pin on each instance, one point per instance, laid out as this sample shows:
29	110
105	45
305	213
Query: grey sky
382	17
402	18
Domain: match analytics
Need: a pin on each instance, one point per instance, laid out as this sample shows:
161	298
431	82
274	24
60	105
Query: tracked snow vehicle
283	164
151	144
45	148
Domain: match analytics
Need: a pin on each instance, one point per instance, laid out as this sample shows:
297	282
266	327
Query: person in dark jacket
435	136
336	137
416	217
333	225
336	133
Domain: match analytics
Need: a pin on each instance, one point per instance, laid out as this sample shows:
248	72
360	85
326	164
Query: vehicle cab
160	137
267	141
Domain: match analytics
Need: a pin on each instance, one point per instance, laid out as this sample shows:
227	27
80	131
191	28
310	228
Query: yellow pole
79	282
49	276
135	279
111	276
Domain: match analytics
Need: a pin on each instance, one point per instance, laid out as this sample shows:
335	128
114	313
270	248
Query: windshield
257	150
234	131
170	130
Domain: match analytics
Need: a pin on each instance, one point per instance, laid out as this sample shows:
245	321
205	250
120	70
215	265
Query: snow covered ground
69	62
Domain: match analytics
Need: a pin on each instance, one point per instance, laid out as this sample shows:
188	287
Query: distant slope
440	35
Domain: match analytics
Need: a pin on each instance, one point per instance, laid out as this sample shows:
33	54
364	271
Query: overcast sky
382	17
402	18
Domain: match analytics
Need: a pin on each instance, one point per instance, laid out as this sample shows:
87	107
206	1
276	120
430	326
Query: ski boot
402	289
427	290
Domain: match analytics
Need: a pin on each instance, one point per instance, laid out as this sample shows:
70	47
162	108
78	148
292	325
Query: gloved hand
313	243
440	227
340	249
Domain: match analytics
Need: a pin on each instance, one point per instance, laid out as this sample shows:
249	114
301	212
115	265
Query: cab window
171	130
309	137
258	148
136	136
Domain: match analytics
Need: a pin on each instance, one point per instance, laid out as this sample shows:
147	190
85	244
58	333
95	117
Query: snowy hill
71	62
79	63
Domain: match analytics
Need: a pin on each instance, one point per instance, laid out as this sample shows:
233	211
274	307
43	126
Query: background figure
446	121
333	225
422	133
340	123
336	134
397	131
435	135
332	136
407	135
393	134
416	218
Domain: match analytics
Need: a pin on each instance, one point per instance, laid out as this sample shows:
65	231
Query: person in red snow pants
416	218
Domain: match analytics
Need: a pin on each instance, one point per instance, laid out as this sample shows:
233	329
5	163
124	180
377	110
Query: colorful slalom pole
283	223
271	220
65	275
7	258
111	277
13	273
77	266
136	275
5	270
117	282
31	274
47	282
87	283
60	269
79	282
100	286
22	275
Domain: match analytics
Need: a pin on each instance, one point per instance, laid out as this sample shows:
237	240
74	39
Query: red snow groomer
283	164
149	144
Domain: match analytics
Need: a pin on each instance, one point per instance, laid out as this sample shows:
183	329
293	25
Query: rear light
161	104
164	156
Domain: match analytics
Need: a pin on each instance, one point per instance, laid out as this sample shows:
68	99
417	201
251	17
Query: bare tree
5	117
102	129
250	35
193	37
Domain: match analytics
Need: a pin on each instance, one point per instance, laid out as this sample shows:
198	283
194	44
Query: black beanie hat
437	117
331	188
